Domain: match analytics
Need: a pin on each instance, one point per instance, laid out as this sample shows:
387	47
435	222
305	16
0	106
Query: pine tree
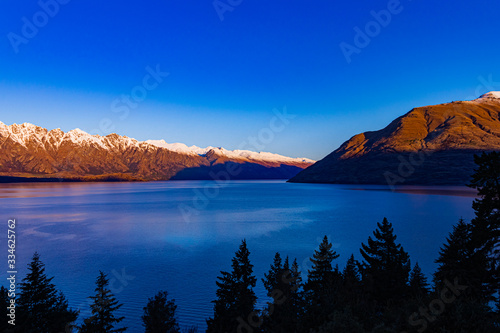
460	259
40	307
497	314
477	264
386	266
5	303
296	277
282	284
485	232
461	264
351	284
235	304
456	257
273	280
295	294
103	319
322	286
351	274
419	287
486	179
321	275
385	271
159	315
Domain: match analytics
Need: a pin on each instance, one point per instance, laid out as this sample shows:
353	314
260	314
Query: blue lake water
177	236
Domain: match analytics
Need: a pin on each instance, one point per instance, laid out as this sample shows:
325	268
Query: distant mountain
30	151
431	145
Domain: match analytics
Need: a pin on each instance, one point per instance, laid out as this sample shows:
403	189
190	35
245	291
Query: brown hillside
429	145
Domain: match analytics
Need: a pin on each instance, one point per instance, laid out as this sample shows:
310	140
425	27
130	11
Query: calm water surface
177	236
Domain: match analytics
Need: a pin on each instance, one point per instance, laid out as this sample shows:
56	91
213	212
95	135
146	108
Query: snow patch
491	94
179	147
81	137
232	154
24	133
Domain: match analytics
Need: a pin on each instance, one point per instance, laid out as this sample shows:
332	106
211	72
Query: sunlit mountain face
430	145
32	151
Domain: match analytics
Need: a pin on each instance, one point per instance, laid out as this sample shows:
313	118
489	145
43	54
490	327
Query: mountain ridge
32	151
426	140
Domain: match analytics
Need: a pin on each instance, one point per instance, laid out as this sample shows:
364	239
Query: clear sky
231	62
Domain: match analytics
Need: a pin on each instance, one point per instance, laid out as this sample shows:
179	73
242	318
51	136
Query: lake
177	236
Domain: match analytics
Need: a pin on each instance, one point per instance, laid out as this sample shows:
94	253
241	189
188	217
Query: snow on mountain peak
236	154
22	133
179	147
4	129
26	132
80	137
28	125
491	94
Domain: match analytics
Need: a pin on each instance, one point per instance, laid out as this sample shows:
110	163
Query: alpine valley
32	153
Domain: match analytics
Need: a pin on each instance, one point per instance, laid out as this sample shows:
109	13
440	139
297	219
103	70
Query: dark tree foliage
322	286
486	179
103	319
385	272
496	319
4	303
462	264
485	232
282	284
470	258
40	307
322	271
273	280
342	321
386	265
457	259
296	295
350	294
159	315
350	274
235	304
419	287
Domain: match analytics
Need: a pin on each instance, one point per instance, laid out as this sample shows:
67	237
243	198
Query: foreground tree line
381	293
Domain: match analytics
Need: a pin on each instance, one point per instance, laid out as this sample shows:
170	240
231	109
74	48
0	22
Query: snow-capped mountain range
31	151
235	154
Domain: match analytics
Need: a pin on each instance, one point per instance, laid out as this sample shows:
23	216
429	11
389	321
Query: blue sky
226	76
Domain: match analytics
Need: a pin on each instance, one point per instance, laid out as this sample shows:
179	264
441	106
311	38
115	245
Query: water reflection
80	228
461	191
